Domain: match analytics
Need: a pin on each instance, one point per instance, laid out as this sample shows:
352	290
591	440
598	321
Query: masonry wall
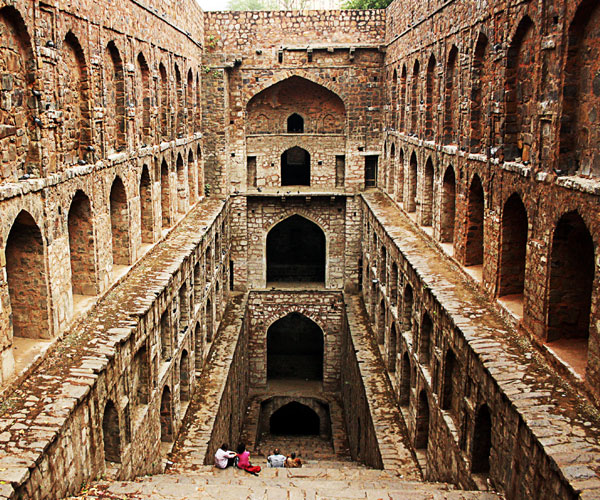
448	370
480	150
92	115
322	307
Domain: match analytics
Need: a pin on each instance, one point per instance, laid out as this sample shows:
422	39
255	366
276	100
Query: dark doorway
295	348
295	124
482	441
295	167
294	419
296	251
370	171
571	279
475	215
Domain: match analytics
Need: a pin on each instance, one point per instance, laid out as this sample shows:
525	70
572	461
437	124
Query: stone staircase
317	481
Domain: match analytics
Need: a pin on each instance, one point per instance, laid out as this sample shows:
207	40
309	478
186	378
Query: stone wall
95	110
322	307
479	403
337	52
124	376
498	181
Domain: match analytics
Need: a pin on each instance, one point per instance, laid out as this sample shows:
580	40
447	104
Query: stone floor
313	482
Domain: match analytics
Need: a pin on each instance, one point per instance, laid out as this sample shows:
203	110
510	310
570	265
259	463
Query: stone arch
165	195
519	92
414	99
451	97
163	101
425	338
392	348
391	177
474	222
199	346
293	259
115	99
18	130
166	416
407	308
394	285
180	101
209	318
449	384
189	100
111	433
404	396
381	323
200	171
394	100
400	170
448	213
411	202
295	348
382	265
144	75
580	133
146	207
141	375
191	171
513	247
422	422
181	184
479	82
482	441
184	377
27	279
184	307
82	244
75	101
430	98
166	336
295	124
295	167
306	420
198	113
571	279
119	223
307	101
403	89
427	194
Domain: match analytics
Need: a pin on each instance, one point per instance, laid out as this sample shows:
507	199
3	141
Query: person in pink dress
244	460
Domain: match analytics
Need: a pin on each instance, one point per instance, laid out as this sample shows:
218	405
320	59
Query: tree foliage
266	4
366	4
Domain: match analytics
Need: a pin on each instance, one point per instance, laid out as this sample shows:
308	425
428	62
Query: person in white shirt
224	457
276	459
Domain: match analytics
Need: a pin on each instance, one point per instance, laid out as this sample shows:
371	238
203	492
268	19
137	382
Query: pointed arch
448	215
392	348
182	185
180	101
411	202
111	433
295	348
75	101
146	207
430	98
115	96
475	214
189	101
513	247
451	97
414	100
27	279
144	107
479	81
422	422
163	101
119	223
291	258
165	195
403	90
184	377
82	245
166	415
519	93
427	194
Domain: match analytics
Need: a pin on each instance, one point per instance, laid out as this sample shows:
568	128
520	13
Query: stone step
279	484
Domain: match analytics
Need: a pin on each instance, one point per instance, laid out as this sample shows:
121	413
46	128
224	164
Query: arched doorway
166	416
81	246
111	433
296	251
448	206
422	424
295	167
295	348
26	277
475	213
571	281
119	220
295	419
513	248
295	124
482	441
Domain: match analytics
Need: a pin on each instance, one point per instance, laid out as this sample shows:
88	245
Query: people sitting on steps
243	460
224	457
293	461
276	459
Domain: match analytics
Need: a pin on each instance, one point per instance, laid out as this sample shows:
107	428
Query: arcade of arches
370	236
